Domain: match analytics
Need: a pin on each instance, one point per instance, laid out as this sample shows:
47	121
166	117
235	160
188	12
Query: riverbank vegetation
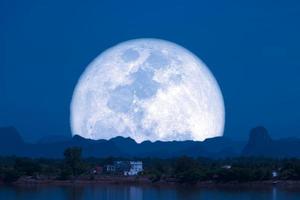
181	169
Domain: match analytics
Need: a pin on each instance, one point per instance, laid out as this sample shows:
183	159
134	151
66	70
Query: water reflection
104	192
73	193
133	192
274	193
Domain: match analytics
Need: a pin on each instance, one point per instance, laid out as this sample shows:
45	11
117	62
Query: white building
274	174
135	168
110	168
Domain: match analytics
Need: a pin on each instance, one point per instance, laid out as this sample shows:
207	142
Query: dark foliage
73	165
181	169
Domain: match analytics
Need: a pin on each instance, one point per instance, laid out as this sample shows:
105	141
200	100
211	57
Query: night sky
252	48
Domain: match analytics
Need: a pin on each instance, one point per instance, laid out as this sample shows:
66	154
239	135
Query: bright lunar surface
147	89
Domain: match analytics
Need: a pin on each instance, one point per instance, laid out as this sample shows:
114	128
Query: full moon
147	89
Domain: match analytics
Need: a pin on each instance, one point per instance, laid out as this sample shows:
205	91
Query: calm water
123	192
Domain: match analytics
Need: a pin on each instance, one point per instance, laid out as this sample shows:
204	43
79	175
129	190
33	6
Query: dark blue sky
252	47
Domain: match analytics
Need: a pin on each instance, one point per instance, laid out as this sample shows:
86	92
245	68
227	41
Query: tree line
182	169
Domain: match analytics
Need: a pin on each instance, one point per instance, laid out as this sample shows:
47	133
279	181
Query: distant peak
78	137
121	138
259	134
259	142
9	135
218	138
114	139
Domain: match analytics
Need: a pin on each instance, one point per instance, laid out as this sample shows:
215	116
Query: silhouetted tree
73	161
188	170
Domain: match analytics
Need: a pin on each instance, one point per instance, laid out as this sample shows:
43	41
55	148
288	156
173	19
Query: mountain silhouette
52	147
10	141
259	144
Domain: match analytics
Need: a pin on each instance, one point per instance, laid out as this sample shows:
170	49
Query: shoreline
145	181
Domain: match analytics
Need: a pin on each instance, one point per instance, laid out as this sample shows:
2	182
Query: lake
133	192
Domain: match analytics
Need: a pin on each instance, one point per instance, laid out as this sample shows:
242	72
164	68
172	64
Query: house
126	168
135	168
110	168
122	166
118	167
274	174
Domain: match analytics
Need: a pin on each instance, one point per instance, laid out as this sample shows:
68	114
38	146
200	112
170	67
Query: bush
11	176
27	166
